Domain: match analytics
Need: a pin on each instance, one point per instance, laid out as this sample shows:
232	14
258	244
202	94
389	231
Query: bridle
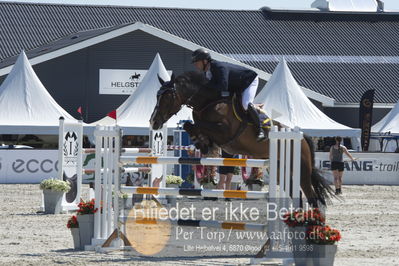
176	99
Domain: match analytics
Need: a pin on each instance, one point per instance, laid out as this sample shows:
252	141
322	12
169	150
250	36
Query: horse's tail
319	183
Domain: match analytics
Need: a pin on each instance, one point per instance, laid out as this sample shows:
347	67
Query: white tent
386	132
346	5
390	122
283	95
134	114
26	106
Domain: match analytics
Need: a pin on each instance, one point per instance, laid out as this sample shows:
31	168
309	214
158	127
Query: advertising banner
32	166
367	169
120	81
70	158
365	117
27	166
158	144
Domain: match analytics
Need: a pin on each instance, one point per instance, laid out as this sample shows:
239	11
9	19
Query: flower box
323	255
52	201
172	185
85	220
86	229
76	238
53	192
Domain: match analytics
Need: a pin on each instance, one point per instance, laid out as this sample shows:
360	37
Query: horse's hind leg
306	175
306	184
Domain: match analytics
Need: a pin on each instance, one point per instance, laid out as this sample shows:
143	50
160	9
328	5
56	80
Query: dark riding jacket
230	77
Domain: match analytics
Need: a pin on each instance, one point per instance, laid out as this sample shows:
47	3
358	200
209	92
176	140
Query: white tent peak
283	95
389	123
134	114
151	83
26	102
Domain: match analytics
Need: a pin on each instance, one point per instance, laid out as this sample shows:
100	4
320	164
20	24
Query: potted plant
125	200
73	225
207	180
53	192
304	218
323	239
85	218
174	181
298	223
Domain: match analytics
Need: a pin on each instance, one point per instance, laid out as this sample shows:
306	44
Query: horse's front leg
200	141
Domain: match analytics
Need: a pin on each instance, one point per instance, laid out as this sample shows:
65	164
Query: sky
391	5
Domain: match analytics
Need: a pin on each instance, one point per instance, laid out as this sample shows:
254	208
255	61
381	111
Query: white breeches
249	93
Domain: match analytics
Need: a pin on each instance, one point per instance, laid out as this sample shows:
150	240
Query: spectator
337	163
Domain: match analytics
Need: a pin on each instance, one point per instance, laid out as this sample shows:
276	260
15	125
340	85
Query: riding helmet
200	54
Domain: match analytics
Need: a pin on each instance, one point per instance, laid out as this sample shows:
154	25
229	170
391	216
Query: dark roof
342	81
339	55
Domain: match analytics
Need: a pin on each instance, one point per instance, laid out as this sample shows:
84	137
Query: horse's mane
190	82
194	83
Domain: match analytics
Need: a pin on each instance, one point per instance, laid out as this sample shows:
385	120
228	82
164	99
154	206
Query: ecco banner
27	166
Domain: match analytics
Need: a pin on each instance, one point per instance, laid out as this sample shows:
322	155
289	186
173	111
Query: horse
216	122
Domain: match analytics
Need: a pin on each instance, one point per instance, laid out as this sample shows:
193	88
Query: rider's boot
254	116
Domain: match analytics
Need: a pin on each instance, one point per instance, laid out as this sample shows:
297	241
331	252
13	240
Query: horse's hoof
197	145
188	126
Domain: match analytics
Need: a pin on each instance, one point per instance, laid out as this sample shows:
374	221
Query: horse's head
168	103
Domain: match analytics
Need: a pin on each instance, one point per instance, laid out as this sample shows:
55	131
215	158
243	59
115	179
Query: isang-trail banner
365	117
368	168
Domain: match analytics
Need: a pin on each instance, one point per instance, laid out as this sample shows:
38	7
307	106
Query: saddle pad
240	113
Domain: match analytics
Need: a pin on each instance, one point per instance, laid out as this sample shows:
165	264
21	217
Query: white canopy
346	5
283	96
26	106
134	114
390	122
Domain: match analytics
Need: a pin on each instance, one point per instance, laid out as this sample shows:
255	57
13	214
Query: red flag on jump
112	114
80	110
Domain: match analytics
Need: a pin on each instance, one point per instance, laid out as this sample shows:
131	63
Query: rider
228	78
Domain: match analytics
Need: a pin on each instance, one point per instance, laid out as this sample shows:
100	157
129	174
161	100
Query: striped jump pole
181	148
202	223
124	150
195	161
123	170
240	194
144	150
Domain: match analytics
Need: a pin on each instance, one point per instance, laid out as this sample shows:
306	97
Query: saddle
242	115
